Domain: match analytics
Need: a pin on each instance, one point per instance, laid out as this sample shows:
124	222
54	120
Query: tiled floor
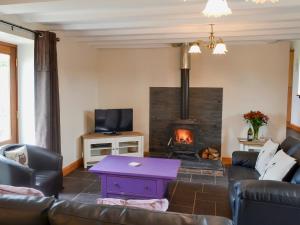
191	193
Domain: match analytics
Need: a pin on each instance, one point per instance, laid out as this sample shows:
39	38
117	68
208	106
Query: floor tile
222	181
215	189
93	188
86	198
180	209
82	175
184	177
204	179
223	209
205	208
185	193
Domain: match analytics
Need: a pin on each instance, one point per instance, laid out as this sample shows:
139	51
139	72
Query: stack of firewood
210	153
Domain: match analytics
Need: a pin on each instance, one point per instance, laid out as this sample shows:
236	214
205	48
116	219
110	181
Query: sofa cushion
242	173
24	210
20	155
278	167
265	155
288	143
75	213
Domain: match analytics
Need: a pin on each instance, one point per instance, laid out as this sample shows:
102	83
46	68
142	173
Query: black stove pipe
185	80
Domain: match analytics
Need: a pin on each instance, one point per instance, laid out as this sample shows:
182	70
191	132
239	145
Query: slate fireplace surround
184	121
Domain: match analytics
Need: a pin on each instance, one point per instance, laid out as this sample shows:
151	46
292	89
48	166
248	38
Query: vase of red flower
257	119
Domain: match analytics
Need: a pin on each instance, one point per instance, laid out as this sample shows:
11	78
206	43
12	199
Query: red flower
256	118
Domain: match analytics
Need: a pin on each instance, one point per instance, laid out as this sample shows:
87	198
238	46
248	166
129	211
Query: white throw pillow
265	155
19	155
278	167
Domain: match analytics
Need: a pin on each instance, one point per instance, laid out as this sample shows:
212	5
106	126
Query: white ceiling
157	23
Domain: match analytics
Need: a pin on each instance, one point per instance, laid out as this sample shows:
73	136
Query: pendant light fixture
216	8
262	1
216	45
195	49
220	49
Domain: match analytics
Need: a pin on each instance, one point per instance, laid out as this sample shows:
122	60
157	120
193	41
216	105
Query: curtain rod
22	28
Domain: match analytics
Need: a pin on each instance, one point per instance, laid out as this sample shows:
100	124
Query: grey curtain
47	115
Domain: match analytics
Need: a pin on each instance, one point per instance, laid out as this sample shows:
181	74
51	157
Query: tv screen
113	120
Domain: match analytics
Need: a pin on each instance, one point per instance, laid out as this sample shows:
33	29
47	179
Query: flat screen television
113	121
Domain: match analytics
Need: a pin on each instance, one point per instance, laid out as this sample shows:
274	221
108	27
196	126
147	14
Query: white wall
254	77
77	64
125	77
295	117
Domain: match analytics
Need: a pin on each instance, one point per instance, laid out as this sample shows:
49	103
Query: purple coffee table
149	180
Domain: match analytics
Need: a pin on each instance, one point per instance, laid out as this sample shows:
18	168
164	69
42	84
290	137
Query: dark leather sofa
257	202
44	172
24	210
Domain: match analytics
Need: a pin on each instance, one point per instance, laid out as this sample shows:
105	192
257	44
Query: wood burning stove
185	133
185	138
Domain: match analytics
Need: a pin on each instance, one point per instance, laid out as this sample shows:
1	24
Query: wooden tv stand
96	146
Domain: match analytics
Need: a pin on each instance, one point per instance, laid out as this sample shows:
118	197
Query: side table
251	145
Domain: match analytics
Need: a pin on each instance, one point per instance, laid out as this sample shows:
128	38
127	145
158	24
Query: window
8	94
298	92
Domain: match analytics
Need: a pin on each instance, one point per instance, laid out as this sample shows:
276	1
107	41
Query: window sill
293	127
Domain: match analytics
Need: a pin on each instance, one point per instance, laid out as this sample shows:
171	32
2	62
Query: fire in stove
184	136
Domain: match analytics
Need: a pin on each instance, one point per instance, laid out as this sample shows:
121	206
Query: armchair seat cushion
46	181
242	173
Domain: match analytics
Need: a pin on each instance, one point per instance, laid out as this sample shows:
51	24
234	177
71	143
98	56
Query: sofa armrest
245	159
275	192
42	159
12	173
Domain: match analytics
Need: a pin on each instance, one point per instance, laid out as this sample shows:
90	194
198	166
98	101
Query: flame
184	136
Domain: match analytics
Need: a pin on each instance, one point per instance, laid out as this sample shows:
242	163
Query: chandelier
216	8
263	1
216	45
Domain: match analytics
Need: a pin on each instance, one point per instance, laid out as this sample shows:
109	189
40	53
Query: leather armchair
44	172
255	201
266	203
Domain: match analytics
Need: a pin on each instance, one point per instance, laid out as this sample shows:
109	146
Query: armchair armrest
15	174
42	159
245	159
265	202
276	192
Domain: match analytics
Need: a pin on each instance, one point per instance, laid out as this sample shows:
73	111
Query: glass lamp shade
195	49
220	49
262	1
216	8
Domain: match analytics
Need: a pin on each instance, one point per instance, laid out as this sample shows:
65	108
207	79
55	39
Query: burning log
210	153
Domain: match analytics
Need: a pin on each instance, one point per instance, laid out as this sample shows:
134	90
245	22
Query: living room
132	55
